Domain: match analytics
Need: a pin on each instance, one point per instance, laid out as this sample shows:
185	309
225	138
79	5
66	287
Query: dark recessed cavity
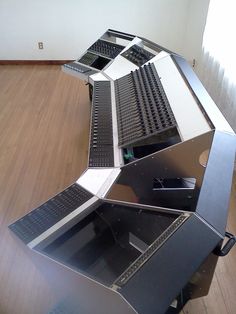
105	243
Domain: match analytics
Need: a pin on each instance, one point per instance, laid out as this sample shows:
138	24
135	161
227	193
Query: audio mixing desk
142	229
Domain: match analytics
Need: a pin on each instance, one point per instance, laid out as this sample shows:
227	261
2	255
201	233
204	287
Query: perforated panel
101	139
43	217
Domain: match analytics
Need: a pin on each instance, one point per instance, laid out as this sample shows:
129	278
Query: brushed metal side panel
180	160
84	293
215	193
152	289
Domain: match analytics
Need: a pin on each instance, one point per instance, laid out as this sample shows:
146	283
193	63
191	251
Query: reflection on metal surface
179	161
122	192
137	243
174	184
203	159
110	238
200	282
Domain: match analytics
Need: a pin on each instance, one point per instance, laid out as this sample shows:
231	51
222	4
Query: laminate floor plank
44	126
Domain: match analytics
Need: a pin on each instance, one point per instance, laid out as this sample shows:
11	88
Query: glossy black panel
215	193
105	243
159	281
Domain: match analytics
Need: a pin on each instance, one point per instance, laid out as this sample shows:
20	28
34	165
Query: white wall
68	27
195	24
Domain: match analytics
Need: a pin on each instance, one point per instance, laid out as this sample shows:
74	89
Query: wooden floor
44	123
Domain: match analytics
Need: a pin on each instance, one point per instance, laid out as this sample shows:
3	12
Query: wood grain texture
44	125
34	62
